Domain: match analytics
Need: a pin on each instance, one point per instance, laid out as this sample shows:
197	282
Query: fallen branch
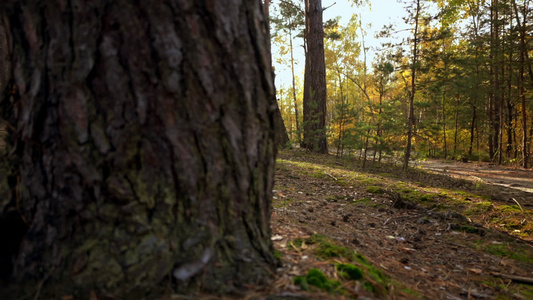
331	176
514	278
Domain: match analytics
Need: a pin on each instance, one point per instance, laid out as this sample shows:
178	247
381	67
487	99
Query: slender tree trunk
377	140
496	100
525	153
456	130
145	137
366	147
411	118
522	81
492	130
444	125
315	80
297	117
340	146
472	131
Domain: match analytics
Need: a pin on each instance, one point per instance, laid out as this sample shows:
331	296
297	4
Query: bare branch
328	6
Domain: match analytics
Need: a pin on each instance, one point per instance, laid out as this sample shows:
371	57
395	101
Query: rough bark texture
5	78
146	142
315	92
4	56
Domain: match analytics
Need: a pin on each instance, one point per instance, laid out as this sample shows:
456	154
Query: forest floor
443	230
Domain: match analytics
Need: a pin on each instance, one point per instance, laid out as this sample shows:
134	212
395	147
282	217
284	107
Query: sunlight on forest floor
431	235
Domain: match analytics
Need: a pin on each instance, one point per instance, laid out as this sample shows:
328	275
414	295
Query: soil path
508	177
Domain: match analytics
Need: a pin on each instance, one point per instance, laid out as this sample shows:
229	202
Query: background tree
290	21
315	91
145	142
282	137
412	93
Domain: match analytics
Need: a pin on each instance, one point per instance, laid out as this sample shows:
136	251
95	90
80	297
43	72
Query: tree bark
145	136
411	117
522	79
5	65
315	92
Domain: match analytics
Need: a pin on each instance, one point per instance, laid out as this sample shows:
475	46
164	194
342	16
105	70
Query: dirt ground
489	173
455	243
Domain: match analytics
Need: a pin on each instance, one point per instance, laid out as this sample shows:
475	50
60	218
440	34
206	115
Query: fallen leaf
277	238
506	262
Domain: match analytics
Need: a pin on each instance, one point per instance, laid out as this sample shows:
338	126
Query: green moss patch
317	278
479	208
364	202
375	189
349	271
512	251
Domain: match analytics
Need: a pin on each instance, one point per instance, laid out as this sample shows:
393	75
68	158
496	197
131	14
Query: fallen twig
522	209
515	278
331	176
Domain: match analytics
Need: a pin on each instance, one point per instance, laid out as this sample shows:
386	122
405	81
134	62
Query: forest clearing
428	236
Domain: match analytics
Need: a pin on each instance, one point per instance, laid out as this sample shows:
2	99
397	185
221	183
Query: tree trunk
495	98
295	102
282	137
411	117
5	66
444	138
472	131
145	137
315	93
522	79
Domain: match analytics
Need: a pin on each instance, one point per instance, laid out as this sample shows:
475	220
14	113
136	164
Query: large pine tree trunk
146	142
315	92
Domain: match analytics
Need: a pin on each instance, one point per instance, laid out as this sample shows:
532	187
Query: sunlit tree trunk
342	120
444	135
414	62
294	100
145	136
472	131
522	83
495	102
456	129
